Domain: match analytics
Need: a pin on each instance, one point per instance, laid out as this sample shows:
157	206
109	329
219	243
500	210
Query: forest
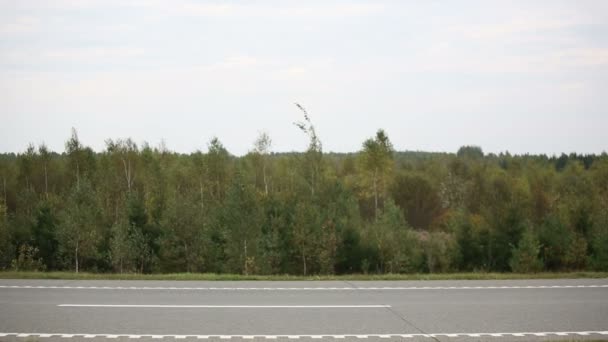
142	209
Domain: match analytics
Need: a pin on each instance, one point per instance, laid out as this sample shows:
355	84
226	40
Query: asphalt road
520	310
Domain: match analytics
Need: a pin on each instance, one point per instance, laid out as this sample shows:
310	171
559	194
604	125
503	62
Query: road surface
518	310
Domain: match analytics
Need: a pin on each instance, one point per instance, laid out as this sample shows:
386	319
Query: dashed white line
329	336
225	306
386	288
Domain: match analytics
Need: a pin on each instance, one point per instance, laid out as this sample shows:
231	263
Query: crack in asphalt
350	284
395	313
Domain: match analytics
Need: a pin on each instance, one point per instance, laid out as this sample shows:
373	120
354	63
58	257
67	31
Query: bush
525	257
576	254
441	252
599	245
27	261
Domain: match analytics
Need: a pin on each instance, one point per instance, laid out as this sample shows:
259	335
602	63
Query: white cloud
515	27
217	8
82	55
196	8
93	54
20	25
158	66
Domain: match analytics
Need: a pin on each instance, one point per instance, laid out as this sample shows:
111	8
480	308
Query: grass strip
238	277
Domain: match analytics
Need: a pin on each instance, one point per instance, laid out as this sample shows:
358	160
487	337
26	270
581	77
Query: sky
517	76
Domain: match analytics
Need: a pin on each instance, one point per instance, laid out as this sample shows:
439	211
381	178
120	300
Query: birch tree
217	165
74	150
314	154
78	235
126	150
377	164
261	149
45	157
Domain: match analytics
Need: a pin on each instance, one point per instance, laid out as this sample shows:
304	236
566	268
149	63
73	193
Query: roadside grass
236	277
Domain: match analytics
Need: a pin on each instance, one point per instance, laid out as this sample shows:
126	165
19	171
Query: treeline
145	209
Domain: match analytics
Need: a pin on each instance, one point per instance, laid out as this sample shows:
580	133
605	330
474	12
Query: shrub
525	257
27	260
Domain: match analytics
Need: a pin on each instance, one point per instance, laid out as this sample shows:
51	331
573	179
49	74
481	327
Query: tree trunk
375	181
265	181
46	182
76	255
312	183
127	168
217	185
4	188
246	268
304	261
77	175
187	257
202	195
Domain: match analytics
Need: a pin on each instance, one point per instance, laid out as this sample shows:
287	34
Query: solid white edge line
400	288
273	337
226	306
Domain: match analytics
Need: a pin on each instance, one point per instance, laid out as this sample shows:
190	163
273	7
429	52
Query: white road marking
225	306
328	336
388	288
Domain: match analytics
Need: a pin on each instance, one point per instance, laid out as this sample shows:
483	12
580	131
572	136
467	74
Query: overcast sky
523	76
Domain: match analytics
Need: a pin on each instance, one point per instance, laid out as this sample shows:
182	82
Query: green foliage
555	238
27	260
120	247
78	234
440	252
240	222
599	240
525	257
397	246
473	152
418	198
44	231
472	235
6	247
141	209
576	254
376	163
312	162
